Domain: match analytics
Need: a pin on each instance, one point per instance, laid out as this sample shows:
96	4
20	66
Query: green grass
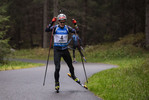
18	65
36	53
130	81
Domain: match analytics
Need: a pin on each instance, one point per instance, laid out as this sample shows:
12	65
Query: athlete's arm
75	25
50	26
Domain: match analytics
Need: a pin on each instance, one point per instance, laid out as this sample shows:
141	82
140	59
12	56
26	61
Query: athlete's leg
57	59
74	48
66	56
68	60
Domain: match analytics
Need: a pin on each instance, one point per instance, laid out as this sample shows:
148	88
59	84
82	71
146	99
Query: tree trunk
19	36
122	21
134	18
147	24
45	34
55	8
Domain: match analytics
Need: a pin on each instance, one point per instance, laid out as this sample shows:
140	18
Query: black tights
57	59
74	48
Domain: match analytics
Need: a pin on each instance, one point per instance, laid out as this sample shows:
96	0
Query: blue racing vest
61	36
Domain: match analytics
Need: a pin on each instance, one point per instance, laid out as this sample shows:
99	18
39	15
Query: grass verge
127	82
12	65
36	53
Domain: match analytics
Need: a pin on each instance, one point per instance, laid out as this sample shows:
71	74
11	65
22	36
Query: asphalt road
27	84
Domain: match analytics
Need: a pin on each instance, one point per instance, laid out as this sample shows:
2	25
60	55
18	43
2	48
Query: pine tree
4	19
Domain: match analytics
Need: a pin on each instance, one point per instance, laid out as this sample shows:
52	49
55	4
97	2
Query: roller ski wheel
57	87
77	80
84	86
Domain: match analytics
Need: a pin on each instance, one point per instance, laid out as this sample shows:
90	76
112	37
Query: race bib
60	38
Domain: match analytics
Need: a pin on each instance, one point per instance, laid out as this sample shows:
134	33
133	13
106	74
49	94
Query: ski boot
77	80
74	60
74	78
57	87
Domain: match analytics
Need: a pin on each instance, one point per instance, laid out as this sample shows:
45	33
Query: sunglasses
62	22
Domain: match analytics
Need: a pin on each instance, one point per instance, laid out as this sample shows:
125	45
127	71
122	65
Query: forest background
99	21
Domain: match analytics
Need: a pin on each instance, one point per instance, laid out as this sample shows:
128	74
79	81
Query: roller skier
76	45
60	35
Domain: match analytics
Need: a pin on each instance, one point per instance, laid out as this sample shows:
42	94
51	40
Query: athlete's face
62	23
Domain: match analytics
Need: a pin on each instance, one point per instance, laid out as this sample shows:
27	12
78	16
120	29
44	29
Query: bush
137	40
4	49
129	46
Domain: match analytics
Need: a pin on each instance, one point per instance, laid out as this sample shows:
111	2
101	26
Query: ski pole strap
51	36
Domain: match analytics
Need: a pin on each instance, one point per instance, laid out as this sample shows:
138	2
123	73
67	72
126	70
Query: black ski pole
46	68
48	58
84	68
47	61
79	47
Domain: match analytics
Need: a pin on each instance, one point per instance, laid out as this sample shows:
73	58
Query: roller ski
74	62
77	80
57	87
